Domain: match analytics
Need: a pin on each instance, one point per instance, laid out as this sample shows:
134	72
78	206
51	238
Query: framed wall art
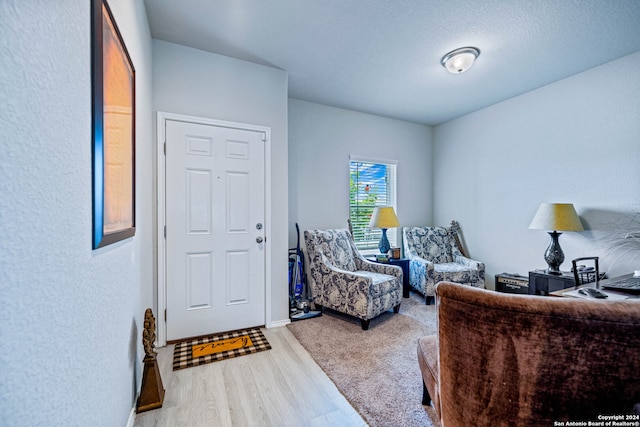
113	126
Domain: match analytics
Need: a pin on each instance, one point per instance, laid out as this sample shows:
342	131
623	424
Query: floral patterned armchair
342	280
435	257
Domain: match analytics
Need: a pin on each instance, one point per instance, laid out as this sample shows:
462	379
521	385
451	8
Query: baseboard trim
279	323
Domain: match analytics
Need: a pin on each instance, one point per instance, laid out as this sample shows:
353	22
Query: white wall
321	138
71	318
575	141
197	83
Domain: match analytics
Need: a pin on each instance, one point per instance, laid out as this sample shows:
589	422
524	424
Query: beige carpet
376	370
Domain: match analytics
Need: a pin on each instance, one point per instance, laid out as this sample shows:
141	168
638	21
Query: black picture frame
113	130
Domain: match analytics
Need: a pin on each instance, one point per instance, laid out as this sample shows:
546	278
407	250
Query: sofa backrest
332	246
533	360
434	244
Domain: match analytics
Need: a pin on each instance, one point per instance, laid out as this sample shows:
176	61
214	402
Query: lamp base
384	245
554	255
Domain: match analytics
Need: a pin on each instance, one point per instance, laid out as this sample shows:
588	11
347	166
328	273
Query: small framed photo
113	129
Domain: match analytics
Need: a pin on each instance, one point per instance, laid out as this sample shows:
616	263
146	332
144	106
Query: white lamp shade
384	217
556	217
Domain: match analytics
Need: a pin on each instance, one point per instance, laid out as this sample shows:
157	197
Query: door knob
259	239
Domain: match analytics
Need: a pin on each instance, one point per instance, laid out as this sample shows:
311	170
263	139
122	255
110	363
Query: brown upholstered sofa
519	360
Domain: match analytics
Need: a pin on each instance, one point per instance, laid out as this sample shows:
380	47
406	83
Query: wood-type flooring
278	387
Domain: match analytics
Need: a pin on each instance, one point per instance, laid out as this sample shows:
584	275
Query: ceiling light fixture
460	60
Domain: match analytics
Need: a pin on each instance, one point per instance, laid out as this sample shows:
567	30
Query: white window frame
369	245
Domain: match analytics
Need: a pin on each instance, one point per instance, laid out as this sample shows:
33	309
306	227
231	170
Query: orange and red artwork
113	131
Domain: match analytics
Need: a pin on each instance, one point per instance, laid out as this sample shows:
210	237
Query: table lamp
555	216
384	217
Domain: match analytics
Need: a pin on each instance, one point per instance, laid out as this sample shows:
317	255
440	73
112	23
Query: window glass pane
371	184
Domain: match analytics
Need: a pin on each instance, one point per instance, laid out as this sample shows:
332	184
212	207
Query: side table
402	263
543	283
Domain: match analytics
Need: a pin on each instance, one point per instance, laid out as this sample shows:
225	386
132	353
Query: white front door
215	214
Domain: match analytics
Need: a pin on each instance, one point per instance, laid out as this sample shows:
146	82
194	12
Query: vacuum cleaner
299	306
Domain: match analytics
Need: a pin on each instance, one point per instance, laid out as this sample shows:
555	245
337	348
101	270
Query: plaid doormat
218	347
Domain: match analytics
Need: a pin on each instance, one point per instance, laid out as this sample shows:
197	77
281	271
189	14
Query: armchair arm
354	282
471	264
366	265
421	275
428	264
328	269
468	262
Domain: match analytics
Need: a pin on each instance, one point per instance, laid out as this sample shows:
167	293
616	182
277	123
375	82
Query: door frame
161	119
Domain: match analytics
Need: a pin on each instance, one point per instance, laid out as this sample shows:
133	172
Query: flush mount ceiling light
460	60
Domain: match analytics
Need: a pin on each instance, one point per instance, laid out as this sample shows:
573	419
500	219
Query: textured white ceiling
383	56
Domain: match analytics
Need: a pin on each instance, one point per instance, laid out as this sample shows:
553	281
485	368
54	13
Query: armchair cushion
428	362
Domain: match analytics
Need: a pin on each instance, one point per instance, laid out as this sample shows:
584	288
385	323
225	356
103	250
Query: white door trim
162	117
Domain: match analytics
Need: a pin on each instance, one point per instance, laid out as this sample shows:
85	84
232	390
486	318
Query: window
371	183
